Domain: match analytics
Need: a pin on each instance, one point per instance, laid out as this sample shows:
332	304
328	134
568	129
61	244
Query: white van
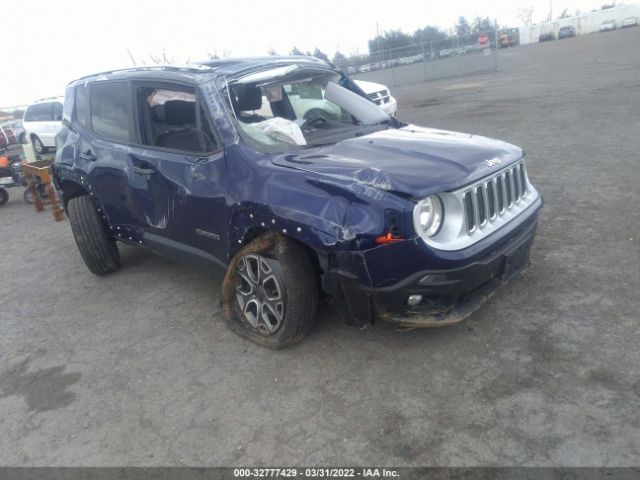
380	95
42	120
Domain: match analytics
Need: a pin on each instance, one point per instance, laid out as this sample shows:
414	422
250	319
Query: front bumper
454	285
450	296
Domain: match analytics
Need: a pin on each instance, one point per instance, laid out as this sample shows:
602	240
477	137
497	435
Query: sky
51	43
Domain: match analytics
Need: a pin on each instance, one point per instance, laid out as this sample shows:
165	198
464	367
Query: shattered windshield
293	107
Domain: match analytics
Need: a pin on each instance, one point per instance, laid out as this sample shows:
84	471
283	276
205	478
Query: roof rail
266	58
168	68
46	98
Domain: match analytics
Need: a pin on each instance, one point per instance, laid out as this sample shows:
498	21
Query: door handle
143	171
88	155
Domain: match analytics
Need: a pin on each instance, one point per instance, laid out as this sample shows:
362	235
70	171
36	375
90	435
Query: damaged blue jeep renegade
281	171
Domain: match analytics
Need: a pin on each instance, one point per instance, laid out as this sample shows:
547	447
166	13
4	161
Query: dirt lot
137	369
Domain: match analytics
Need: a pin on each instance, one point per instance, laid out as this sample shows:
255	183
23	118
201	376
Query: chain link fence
449	57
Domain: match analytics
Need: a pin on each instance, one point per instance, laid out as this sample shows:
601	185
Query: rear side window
110	111
39	112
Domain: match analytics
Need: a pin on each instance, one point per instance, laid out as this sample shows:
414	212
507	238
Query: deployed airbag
282	129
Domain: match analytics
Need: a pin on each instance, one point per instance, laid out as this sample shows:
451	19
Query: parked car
566	32
308	102
396	222
380	95
4	141
42	120
9	134
18	130
629	22
608	25
547	36
508	37
364	68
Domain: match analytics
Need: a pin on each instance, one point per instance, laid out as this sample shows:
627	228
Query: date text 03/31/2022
315	473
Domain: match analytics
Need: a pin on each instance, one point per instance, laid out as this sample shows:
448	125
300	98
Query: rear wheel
270	292
98	250
4	196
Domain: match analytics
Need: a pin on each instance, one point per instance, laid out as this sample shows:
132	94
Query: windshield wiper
371	128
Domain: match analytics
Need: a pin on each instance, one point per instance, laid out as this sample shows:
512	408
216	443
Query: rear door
177	172
103	116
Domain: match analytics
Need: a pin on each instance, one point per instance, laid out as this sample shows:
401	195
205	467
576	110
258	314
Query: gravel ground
136	368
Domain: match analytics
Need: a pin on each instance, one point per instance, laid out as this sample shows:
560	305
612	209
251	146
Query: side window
39	112
110	110
81	107
172	118
57	112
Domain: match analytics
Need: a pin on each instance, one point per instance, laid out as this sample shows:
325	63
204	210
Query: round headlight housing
428	216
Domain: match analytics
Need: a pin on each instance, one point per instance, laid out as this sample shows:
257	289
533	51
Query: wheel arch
243	232
72	189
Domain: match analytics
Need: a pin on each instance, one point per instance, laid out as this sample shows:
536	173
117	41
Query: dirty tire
4	196
299	280
98	251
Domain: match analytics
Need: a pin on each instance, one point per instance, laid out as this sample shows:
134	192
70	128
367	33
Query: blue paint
336	199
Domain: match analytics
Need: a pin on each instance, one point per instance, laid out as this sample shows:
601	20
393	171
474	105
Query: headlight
428	215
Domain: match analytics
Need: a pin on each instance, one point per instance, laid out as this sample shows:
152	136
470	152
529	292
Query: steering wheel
316	117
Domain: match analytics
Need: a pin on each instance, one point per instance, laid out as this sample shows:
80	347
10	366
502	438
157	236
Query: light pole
379	46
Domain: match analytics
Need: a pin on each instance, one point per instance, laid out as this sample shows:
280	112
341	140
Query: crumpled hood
412	160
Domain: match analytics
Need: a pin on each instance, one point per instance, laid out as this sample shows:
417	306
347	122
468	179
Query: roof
228	66
151	70
59	98
224	66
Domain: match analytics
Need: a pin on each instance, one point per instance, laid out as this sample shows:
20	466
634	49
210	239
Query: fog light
414	300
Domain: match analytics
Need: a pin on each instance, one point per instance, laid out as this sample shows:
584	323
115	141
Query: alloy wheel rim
260	293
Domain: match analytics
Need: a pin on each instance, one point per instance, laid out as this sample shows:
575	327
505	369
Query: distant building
584	23
5	116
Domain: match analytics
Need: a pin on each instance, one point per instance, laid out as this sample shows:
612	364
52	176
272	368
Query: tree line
397	39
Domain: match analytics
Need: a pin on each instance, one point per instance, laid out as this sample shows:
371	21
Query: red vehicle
10	135
4	141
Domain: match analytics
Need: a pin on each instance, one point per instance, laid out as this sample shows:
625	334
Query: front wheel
4	196
270	292
98	250
38	146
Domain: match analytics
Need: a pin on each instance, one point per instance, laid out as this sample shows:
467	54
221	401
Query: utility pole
131	57
379	45
550	10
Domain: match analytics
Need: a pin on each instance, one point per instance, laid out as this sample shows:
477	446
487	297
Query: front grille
493	197
379	97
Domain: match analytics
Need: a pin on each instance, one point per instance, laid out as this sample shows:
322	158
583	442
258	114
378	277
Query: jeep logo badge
493	161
